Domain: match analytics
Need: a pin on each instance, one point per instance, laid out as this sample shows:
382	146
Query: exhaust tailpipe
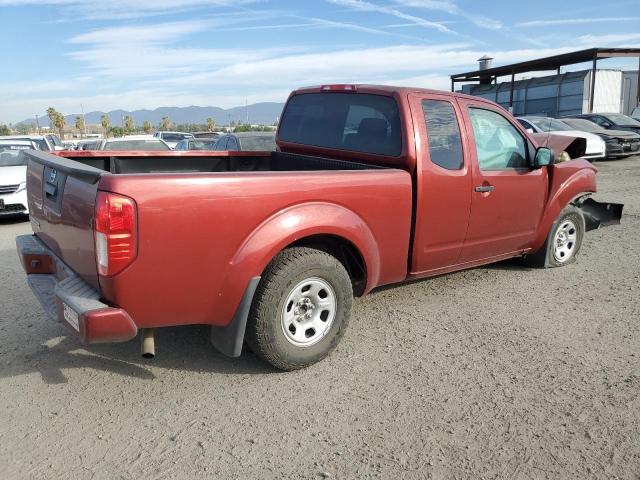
148	343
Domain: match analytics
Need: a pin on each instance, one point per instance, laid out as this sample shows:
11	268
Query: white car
13	177
40	141
172	138
596	148
133	142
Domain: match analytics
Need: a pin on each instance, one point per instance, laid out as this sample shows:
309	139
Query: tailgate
62	197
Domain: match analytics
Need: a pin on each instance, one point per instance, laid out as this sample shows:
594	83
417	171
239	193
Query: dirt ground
496	372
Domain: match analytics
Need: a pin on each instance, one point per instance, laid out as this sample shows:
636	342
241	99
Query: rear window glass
174	137
258	143
136	145
346	121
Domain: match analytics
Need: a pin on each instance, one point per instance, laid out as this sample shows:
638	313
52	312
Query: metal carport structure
490	75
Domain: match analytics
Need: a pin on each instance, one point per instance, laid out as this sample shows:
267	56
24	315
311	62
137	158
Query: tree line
58	122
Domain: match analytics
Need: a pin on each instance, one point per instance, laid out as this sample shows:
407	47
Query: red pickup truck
371	185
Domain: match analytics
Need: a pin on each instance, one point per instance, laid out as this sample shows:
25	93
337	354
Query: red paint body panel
203	236
200	245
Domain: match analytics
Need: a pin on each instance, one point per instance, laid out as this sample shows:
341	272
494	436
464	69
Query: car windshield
10	155
584	125
174	137
150	144
258	143
355	122
549	124
623	120
202	144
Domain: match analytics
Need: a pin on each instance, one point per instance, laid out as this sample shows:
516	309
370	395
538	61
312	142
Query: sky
132	54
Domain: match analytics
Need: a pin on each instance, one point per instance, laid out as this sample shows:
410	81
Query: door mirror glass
530	130
544	156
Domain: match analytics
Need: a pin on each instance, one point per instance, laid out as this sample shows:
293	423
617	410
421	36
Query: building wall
629	91
556	95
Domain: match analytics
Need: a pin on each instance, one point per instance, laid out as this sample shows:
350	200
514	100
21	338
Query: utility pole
84	124
246	107
37	125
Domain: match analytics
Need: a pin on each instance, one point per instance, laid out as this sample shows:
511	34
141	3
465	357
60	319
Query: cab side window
499	144
445	144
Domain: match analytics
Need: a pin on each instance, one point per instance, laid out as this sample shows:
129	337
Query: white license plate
71	317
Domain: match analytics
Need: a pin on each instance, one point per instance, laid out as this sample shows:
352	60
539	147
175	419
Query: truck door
443	183
508	195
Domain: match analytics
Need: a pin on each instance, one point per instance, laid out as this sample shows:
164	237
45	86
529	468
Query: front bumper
69	299
14	204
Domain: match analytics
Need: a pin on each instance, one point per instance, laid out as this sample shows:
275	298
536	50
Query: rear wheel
563	242
301	308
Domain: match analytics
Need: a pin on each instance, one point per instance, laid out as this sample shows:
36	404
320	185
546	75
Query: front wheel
301	308
563	242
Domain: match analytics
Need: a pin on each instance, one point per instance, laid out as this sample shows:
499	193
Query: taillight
115	232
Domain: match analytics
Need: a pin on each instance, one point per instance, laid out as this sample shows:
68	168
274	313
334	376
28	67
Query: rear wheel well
345	251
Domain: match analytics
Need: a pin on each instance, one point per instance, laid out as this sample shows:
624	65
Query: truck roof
377	89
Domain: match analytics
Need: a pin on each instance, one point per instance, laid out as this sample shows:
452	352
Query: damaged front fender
599	214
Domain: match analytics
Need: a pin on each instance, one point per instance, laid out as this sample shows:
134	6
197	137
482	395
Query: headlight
612	141
21	187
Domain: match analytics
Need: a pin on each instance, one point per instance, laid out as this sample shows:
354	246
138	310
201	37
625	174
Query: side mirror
607	125
544	156
530	130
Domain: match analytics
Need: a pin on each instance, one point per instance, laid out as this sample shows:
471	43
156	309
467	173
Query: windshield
261	143
549	124
150	144
623	120
584	125
174	137
204	144
10	155
356	122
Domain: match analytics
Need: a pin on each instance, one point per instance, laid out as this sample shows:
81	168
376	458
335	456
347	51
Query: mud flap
598	215
228	340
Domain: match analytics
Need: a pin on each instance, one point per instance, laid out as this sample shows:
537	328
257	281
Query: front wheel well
345	251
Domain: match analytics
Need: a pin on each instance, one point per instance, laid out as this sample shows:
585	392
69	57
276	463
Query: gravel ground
496	372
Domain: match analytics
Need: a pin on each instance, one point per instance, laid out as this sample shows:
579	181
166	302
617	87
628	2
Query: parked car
132	142
214	135
611	121
89	144
635	114
172	138
54	141
249	141
13	177
271	247
40	141
595	148
196	144
619	143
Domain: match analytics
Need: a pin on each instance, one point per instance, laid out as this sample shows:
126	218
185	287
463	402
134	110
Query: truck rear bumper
69	299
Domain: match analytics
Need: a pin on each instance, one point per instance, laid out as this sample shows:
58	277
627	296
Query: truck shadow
13	219
181	348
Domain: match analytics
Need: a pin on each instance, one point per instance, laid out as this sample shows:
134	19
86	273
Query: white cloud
452	8
364	6
576	21
611	40
125	9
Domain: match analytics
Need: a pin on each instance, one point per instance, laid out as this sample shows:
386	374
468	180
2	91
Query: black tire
265	333
547	257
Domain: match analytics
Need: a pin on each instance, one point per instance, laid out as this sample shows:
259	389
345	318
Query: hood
13	175
574	146
622	133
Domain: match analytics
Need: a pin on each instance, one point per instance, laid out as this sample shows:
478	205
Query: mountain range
264	113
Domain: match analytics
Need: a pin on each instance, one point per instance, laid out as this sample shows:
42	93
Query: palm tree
146	126
105	121
165	123
211	124
128	124
80	125
59	123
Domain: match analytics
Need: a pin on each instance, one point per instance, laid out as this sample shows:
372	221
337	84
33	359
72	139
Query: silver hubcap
564	243
308	312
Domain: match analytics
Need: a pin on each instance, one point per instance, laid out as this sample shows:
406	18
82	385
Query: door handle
484	188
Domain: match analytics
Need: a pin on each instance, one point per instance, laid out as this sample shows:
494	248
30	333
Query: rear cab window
443	133
357	122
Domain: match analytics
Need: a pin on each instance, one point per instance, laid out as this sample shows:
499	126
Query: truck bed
202	217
